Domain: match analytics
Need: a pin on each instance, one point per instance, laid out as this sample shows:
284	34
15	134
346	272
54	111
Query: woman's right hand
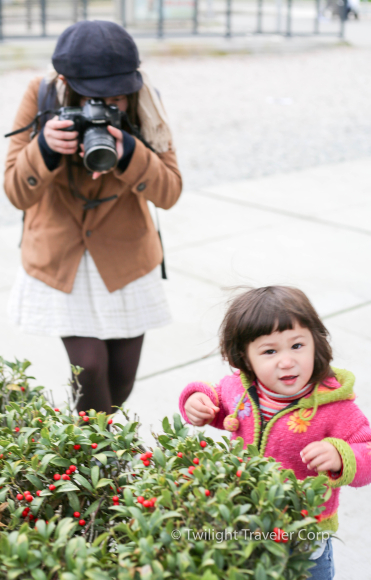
200	409
64	142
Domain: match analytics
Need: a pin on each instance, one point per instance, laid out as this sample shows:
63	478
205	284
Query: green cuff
348	459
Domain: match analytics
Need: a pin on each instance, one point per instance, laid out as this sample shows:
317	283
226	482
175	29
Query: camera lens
100	149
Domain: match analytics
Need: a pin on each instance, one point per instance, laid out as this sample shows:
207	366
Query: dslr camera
91	122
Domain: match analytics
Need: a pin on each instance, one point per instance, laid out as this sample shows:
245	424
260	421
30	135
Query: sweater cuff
196	387
51	158
348	459
129	146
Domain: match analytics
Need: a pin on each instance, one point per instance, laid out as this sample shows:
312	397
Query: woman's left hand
117	134
321	456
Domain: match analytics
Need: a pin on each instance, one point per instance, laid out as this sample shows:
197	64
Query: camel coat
119	234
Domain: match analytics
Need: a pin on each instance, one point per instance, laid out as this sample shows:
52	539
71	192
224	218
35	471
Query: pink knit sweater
337	420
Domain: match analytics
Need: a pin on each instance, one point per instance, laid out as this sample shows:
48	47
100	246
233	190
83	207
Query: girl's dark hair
262	311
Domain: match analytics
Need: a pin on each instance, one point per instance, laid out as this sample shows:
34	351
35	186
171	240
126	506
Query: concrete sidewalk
311	229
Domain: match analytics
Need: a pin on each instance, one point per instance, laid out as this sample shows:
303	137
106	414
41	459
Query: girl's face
283	361
121	102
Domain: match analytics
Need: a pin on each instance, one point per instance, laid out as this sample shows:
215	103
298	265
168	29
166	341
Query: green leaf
103	482
60	462
159	457
102	457
74	501
260	573
166	426
94	475
45	460
128	497
84	482
67	487
91	509
35	481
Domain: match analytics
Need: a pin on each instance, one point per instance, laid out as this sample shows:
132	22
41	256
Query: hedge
82	497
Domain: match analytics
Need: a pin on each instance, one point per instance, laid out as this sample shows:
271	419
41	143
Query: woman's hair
73	99
260	312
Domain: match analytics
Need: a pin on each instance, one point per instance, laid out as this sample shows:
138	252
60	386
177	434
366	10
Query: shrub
188	509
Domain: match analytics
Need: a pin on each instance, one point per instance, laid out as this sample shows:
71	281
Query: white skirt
89	310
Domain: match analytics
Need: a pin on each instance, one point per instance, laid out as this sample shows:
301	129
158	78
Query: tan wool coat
119	234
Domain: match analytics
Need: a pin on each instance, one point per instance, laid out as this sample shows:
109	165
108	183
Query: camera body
91	122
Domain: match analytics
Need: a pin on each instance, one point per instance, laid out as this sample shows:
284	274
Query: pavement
310	229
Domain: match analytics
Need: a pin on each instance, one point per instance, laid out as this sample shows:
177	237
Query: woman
90	250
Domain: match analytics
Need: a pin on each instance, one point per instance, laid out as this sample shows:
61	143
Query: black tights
109	371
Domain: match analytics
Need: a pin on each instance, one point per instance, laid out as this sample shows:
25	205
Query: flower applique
297	422
244	407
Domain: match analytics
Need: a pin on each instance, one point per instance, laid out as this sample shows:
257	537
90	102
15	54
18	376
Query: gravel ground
238	117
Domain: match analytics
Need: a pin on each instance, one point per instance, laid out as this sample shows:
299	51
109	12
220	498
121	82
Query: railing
176	18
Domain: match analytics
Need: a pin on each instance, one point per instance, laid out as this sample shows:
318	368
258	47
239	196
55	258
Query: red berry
57	410
68	472
31	517
239	459
94	445
203	443
16	429
180	454
33	440
140	499
318	518
82	522
147	503
1	455
38	493
146	463
196	461
76	514
176	483
24	513
77	447
86	419
72	468
110	421
304	513
207	492
115	498
149	455
239	473
19	496
191	469
52	487
277	533
119	490
40	420
56	477
143	457
153	500
66	477
23	389
284	539
29	498
82	413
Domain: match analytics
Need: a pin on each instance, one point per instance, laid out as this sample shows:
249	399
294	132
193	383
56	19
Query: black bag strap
46	99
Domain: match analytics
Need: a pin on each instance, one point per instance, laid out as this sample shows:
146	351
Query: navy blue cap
98	59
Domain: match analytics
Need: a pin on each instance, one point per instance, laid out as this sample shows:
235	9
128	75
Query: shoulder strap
46	99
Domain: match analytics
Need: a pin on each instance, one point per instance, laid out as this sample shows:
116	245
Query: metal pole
195	17
289	6
228	19
1	20
28	14
43	17
123	13
343	17
259	23
85	9
279	12
316	22
160	24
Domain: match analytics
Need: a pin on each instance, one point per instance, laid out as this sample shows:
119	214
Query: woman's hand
117	134
64	142
200	409
321	456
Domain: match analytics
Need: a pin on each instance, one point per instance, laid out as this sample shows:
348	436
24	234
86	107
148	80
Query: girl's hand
200	409
117	134
321	456
64	142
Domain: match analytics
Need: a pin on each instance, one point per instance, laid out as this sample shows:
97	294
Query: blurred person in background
91	254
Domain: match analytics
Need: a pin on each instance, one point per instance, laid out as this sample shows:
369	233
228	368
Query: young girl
285	398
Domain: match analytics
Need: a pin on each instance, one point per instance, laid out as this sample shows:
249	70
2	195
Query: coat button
32	180
141	186
88	233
